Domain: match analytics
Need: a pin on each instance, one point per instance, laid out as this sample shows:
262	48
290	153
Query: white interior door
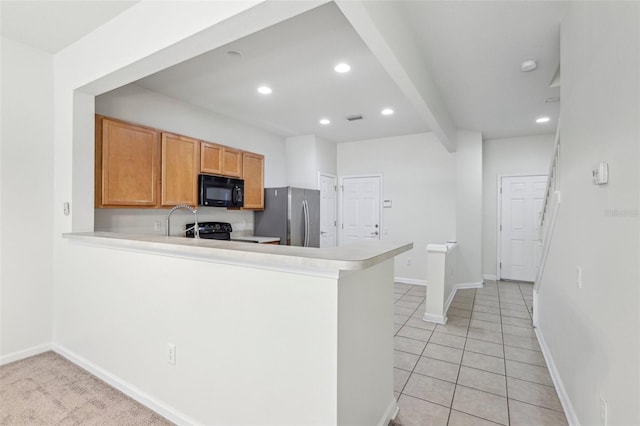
361	209
327	185
521	202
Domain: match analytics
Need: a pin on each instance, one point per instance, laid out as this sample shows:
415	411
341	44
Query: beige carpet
47	389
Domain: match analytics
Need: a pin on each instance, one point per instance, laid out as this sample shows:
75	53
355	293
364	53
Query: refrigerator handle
305	209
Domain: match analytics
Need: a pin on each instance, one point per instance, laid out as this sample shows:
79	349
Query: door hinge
501	190
335	223
500	265
501	227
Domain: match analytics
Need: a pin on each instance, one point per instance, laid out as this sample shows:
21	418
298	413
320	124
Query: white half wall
419	178
509	156
469	208
593	333
26	197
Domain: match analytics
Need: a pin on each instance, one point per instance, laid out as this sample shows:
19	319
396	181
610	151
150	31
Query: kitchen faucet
196	227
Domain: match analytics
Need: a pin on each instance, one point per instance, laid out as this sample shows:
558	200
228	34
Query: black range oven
211	230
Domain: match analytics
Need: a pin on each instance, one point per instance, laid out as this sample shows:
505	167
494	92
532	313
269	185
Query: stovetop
211	230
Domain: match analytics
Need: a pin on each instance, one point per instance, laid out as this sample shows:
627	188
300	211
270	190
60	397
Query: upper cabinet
180	165
137	166
253	173
127	164
232	162
220	160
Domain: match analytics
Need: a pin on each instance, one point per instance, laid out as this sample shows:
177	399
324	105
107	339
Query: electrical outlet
604	411
157	225
409	262
579	276
171	354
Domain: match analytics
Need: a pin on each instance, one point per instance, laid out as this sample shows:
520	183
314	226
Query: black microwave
218	191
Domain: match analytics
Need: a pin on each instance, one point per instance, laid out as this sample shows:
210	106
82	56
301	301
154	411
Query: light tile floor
484	367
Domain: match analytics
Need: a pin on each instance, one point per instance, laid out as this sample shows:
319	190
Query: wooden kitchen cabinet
253	174
220	160
180	167
127	164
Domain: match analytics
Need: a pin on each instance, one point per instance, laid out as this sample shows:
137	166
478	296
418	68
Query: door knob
374	233
376	225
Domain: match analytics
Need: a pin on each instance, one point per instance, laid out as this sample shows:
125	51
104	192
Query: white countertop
255	239
266	256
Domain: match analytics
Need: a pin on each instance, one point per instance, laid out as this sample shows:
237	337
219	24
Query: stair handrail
550	207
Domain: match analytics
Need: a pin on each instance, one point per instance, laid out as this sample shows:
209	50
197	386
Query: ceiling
473	50
296	59
53	25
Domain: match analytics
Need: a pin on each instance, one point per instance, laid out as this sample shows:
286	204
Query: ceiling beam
386	35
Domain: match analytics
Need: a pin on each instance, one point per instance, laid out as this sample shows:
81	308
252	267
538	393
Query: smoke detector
527	66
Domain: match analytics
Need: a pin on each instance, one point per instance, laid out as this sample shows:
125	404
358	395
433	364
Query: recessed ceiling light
387	111
265	90
542	120
342	68
527	66
325	121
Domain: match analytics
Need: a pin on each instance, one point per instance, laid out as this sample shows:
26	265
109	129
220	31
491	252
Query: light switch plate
600	174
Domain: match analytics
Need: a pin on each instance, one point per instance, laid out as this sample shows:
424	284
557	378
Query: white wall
301	161
419	178
141	106
469	207
26	184
510	156
308	155
593	333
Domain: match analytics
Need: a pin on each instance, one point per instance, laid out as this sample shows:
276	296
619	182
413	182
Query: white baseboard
490	278
412	281
131	391
390	413
26	353
569	412
469	285
449	300
438	319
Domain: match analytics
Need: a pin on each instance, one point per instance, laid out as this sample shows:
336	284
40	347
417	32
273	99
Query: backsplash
152	221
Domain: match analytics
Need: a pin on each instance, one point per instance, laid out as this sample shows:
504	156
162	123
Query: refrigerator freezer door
272	222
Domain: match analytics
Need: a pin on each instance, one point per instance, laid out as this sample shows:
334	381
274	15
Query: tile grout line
506	380
455	389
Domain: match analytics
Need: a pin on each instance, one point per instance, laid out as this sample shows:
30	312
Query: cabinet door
253	172
127	164
180	161
232	162
211	158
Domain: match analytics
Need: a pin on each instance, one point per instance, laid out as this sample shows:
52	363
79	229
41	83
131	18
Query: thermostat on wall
600	174
386	204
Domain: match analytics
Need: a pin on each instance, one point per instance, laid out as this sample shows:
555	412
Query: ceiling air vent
354	117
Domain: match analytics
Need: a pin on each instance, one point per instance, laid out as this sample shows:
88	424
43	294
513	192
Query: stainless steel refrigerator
293	214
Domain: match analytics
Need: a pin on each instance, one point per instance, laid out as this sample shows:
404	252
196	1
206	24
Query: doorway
519	242
361	209
328	185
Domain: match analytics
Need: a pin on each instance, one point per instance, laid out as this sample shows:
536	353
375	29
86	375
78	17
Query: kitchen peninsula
263	334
